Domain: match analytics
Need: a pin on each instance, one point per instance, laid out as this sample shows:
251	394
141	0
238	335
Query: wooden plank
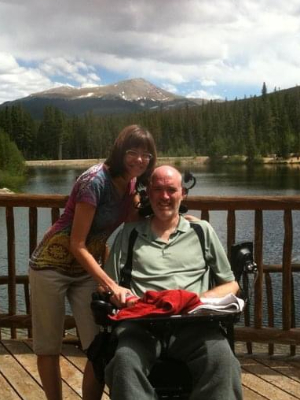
6	391
192	202
289	369
249	394
268	382
33	200
242	203
22	381
77	357
267	335
71	377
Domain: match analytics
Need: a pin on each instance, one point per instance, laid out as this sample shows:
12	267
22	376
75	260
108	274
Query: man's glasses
136	155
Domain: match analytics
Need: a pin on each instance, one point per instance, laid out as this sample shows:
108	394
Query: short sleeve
90	186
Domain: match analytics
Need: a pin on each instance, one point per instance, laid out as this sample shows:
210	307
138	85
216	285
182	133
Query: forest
258	126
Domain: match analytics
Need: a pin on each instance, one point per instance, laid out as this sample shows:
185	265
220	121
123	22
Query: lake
221	180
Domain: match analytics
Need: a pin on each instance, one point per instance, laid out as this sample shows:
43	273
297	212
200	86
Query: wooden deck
264	377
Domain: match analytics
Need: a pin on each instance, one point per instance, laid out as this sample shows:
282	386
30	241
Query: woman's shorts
49	291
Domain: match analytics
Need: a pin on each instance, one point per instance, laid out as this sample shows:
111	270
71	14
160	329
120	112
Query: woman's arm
83	218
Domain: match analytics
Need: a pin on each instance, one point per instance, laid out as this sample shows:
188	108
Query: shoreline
175	161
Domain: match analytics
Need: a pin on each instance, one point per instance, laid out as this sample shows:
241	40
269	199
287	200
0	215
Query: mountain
133	95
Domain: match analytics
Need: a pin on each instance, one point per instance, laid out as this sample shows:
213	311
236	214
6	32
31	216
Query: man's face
165	194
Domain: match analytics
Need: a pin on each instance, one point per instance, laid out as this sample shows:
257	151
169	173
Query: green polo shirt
177	264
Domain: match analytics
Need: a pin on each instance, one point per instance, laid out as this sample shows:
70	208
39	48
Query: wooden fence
255	328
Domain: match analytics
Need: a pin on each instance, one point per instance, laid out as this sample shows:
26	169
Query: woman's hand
191	218
118	296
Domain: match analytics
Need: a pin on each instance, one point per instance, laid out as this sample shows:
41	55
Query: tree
11	159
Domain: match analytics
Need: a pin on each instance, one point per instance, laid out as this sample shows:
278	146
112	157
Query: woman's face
136	161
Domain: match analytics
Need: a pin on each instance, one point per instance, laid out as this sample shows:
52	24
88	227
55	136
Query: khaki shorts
49	290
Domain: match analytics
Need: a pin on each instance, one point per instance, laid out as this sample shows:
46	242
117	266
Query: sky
212	49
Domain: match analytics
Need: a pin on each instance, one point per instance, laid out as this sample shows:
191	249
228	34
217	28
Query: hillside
134	95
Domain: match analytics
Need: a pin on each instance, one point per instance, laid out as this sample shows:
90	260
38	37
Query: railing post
287	271
32	229
258	240
11	258
231	223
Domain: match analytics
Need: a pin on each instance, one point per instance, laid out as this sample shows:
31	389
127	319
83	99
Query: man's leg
126	374
215	369
49	370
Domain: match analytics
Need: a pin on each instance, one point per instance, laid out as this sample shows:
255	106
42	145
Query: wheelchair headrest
144	206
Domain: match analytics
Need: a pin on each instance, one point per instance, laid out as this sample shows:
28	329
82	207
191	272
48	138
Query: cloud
77	71
17	81
202	94
169	88
201	43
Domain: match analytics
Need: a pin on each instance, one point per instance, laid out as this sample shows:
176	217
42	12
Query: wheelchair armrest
242	264
242	259
102	308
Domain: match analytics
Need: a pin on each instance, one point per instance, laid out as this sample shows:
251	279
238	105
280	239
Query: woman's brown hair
132	136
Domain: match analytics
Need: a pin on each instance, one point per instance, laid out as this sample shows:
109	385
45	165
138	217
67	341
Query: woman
67	262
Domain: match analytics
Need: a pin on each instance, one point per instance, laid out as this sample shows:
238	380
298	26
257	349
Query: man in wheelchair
167	255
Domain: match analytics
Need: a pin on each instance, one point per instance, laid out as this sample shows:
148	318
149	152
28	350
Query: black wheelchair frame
176	383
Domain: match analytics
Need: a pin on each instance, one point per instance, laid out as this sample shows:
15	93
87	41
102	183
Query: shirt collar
144	228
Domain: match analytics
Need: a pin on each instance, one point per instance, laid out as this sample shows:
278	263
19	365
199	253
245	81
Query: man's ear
184	192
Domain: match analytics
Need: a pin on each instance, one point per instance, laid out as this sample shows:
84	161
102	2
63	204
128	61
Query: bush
12	166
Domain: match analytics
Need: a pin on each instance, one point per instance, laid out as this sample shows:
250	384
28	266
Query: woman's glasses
135	154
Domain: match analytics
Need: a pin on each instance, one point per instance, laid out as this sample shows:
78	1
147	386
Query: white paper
226	304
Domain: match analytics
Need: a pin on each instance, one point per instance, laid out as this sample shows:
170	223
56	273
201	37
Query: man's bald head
165	193
164	172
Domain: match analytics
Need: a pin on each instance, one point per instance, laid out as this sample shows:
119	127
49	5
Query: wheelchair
171	378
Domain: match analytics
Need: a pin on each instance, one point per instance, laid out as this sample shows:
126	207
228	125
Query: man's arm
219	263
222	290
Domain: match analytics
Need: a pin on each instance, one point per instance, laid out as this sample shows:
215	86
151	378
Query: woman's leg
92	389
49	370
48	290
80	296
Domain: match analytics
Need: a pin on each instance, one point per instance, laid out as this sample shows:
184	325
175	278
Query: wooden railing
255	329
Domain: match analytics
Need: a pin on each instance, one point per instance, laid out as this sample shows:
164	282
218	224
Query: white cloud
207	82
204	43
202	94
169	88
78	71
17	81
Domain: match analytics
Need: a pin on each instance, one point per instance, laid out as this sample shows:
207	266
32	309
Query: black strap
127	269
199	231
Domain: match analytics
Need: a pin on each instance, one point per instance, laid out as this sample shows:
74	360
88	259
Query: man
167	255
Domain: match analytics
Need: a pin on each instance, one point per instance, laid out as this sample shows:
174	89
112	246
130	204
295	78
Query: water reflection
225	180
